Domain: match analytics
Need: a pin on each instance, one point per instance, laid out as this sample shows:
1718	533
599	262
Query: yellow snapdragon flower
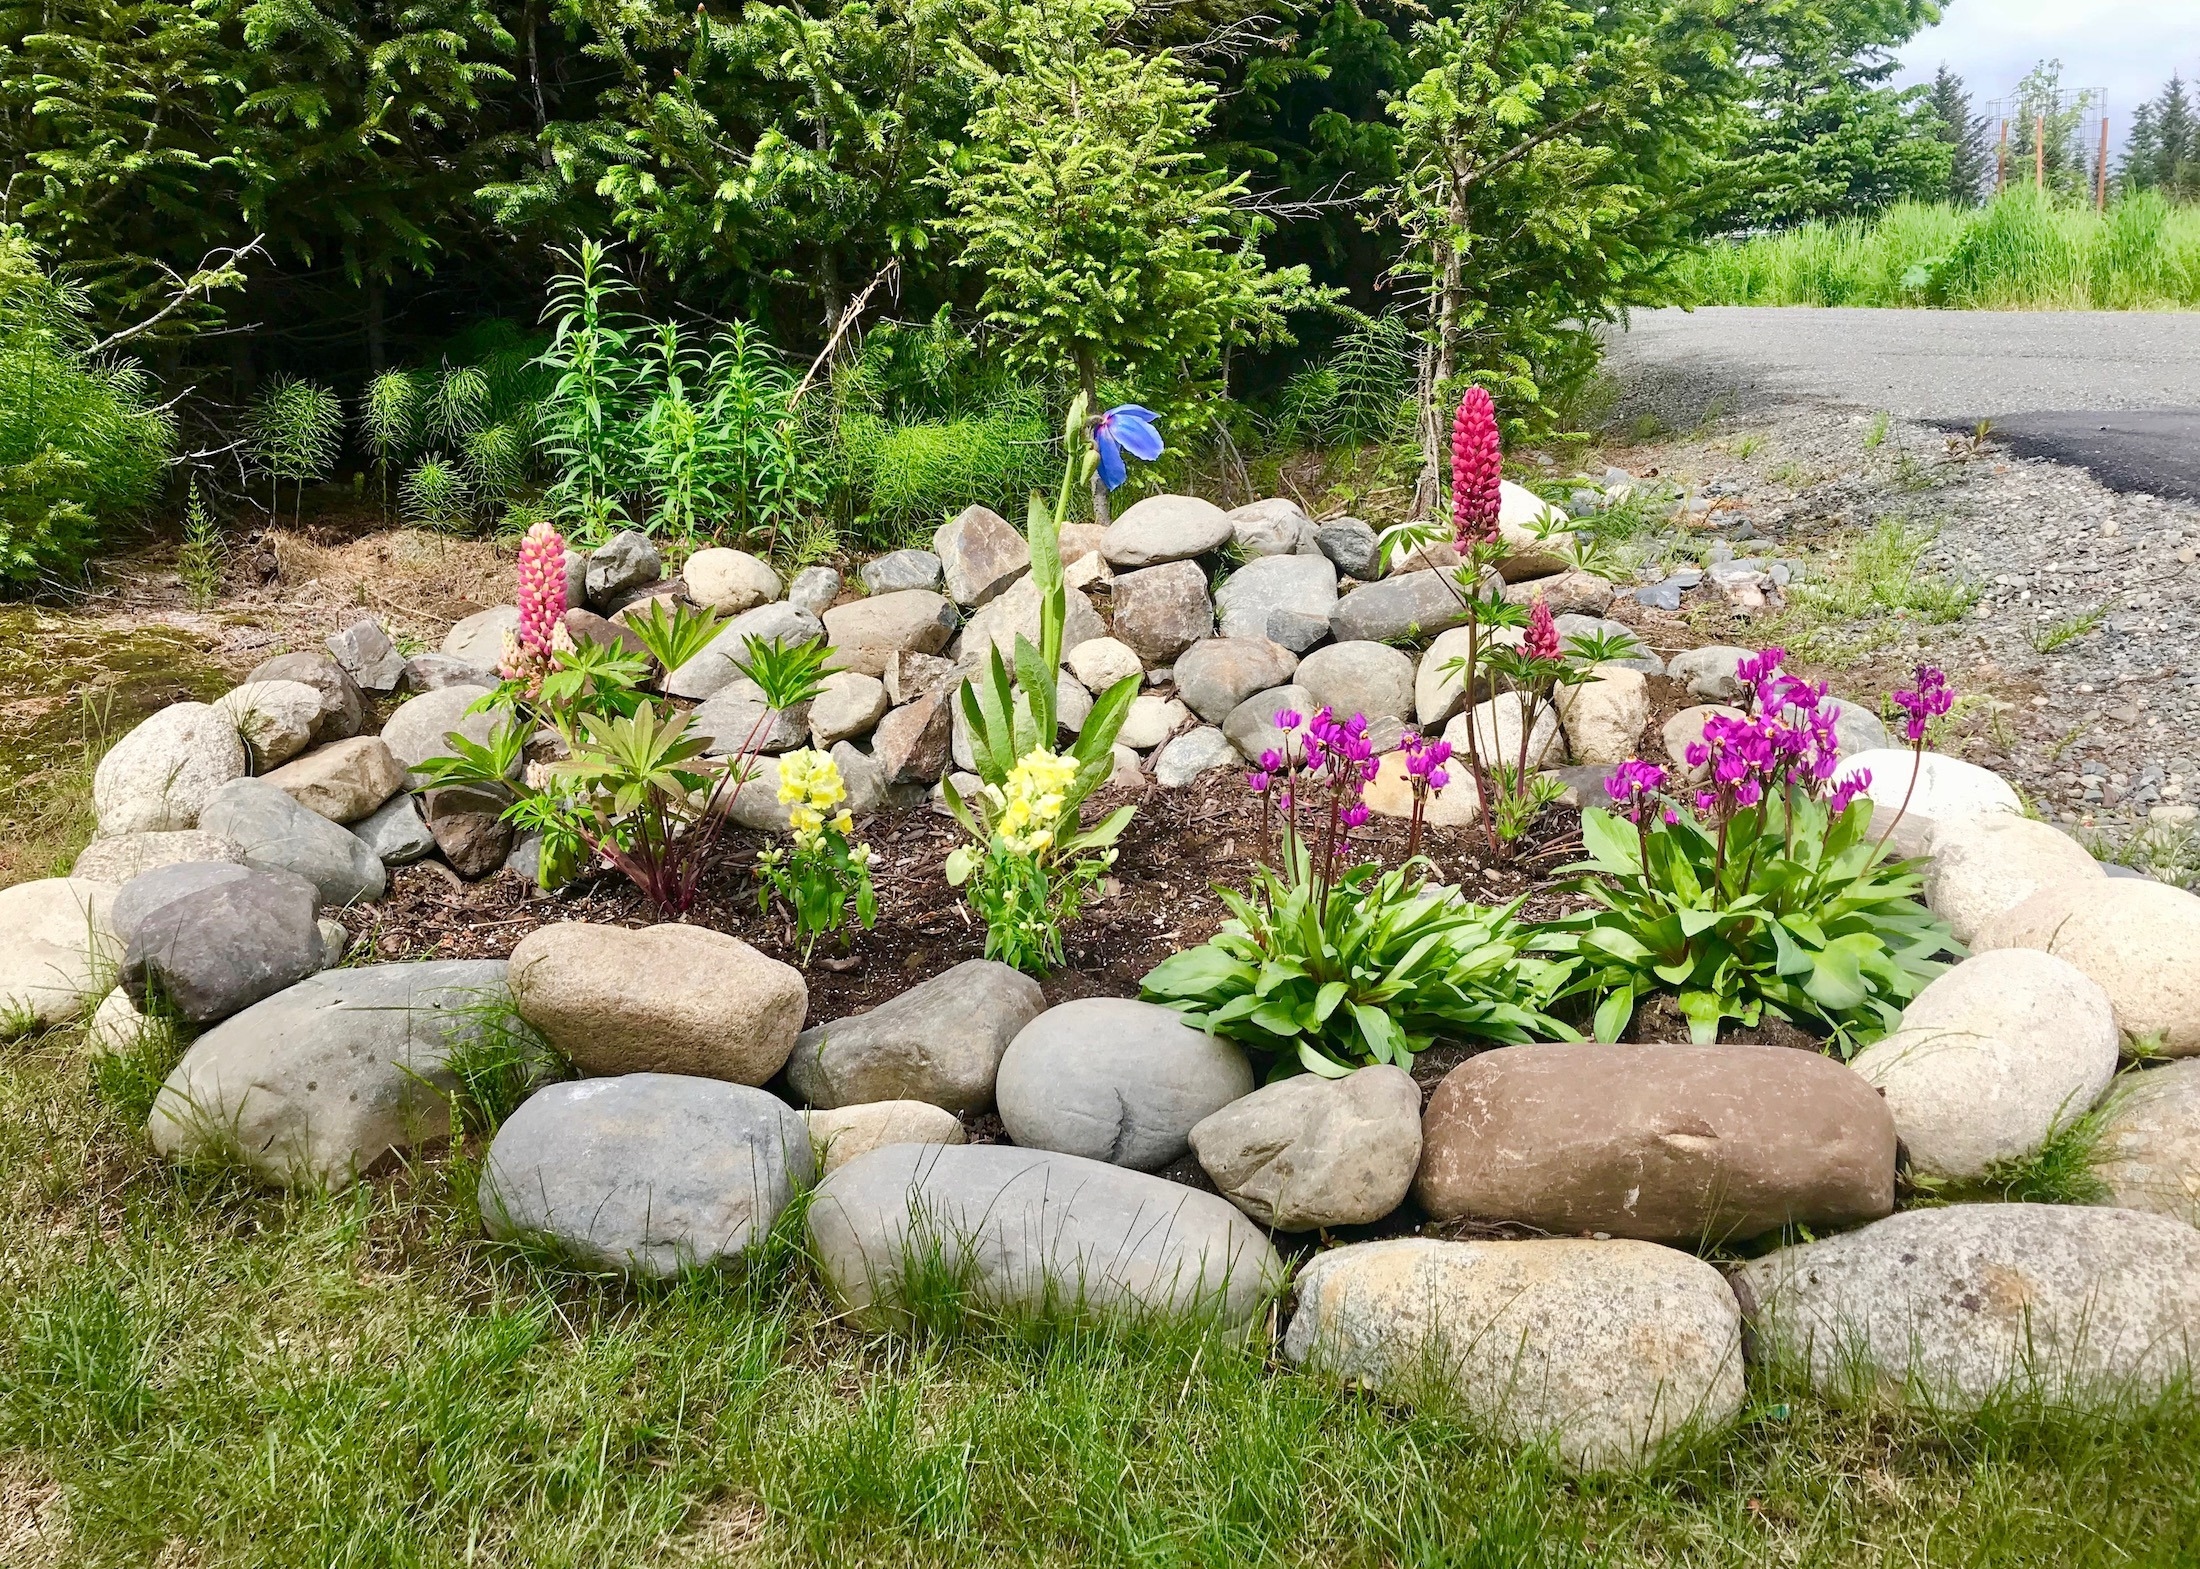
810	787
1030	803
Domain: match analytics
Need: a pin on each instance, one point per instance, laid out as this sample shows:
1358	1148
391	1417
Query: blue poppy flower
1126	427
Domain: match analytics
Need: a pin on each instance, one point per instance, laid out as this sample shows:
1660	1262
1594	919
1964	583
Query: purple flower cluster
1327	749
1931	698
1633	787
1425	760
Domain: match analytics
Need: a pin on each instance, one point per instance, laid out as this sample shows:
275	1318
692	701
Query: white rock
1947	788
1991	1058
851	704
421	725
479	639
1497	728
729	581
1987	865
2149	1154
1390	794
1372	679
1603	719
58	951
1439	691
841	1134
276	718
123	857
1101	662
161	775
1165	528
117	1027
1151	721
2138	940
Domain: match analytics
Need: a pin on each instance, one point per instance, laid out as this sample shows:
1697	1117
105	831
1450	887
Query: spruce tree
1969	163
2177	144
2139	169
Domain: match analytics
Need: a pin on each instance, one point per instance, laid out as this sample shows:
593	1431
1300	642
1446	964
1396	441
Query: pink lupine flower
1476	464
1542	638
541	586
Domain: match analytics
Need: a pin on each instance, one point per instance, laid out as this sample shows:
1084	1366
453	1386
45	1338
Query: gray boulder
1115	1080
621	565
1409	605
1283	599
1033	1233
1215	675
368	656
647	1174
980	555
736	719
421	726
1708	672
277	834
1372	679
851	704
1952	1307
1191	755
900	569
125	856
149	891
160	776
479	639
343	708
1309	1152
1014	613
1161	611
781	622
433	671
1275	527
397	835
1165	528
217	950
813	590
1251	726
1353	546
940	1041
2149	1154
310	1087
1573	626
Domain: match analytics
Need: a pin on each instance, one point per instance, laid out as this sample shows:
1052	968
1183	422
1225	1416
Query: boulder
432	672
1191	755
1992	1057
2149	1153
585	626
1575	627
622	565
1985	866
310	1087
1410	605
276	719
1251	726
900	570
468	825
1352	546
646	1174
851	704
1372	679
125	856
911	742
1603	719
939	1042
160	776
735	719
1275	527
911	676
1150	721
754	804
1708	672
117	1028
343	707
813	590
2137	940
368	656
1115	1080
731	581
1030	1233
1390	793
980	556
1216	674
217	950
1289	600
1567	593
1165	528
479	639
1952	1308
845	1132
277	834
1855	727
1308	1152
1440	680
1497	725
57	951
1014	612
1082	542
421	726
1947	788
344	781
664	999
1101	662
140	897
1599	1350
396	835
1161	611
1685	729
779	623
865	631
1682	1144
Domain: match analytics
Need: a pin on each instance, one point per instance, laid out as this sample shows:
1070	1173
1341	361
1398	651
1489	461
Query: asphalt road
2116	391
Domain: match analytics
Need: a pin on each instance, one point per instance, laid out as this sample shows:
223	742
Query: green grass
196	1372
2069	629
1862	584
2019	253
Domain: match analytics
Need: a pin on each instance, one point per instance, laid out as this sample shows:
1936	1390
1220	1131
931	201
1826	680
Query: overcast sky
2126	48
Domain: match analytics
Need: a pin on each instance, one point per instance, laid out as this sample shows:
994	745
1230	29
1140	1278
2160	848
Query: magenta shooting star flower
1127	428
1931	698
1632	785
1850	787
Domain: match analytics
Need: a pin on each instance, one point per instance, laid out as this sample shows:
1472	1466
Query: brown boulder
1685	1144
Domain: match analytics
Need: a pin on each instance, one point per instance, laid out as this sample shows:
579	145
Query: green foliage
81	445
1785	912
435	494
823	877
1361	392
1373	967
2162	149
199	563
675	636
294	430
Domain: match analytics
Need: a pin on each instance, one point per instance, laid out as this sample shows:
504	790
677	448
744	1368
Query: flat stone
664	999
343	707
900	570
1954	1307
469	828
1708	672
58	949
911	743
1192	755
1251	726
1309	1152
1035	1233
479	639
1014	612
160	776
368	656
939	1042
1352	546
1983	867
2149	1153
125	856
1685	729
813	590
781	623
1601	1350
1165	528
1275	527
1411	605
980	556
344	781
1370	679
1289	600
421	727
625	562
1390	793
1567	593
432	672
217	950
732	581
1992	1057
865	631
277	834
845	1132
1161	611
1101	662
1497	732
1680	1144
2134	939
1604	719
1215	675
1115	1080
310	1087
647	1174
851	704
1150	721
142	895
396	834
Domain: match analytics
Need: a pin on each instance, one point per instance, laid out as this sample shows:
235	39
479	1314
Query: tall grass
2018	253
